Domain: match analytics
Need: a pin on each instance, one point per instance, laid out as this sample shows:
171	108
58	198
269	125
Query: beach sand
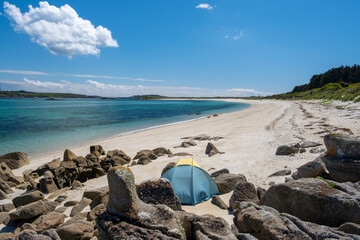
250	139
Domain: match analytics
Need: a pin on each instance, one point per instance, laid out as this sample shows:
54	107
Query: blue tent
191	183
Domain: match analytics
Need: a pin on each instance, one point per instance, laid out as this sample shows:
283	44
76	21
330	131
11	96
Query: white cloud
114	77
247	92
11	82
235	36
205	6
60	30
23	72
40	84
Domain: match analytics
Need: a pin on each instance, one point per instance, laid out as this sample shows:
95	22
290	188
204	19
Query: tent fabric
191	183
187	161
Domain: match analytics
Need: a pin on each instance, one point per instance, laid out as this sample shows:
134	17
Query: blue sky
174	48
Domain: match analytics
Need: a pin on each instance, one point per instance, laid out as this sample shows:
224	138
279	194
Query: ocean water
37	126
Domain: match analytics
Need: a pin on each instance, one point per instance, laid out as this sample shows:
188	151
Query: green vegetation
323	179
25	94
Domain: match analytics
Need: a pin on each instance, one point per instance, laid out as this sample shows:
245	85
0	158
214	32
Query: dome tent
190	182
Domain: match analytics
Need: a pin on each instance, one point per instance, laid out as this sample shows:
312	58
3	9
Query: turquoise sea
37	126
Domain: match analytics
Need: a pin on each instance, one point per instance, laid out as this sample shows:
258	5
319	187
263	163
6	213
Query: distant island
26	94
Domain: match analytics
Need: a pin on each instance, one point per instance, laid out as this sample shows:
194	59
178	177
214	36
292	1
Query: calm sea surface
37	126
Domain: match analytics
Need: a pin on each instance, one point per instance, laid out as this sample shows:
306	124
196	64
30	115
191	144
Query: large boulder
266	223
50	166
205	227
14	160
227	182
80	206
93	193
66	174
28	211
50	220
211	150
47	183
311	169
158	191
97	150
127	216
343	157
145	153
243	192
68	155
314	200
161	151
5	187
79	230
115	158
28	198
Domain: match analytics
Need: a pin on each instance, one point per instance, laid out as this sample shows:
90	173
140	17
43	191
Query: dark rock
309	144
50	220
167	167
92	157
4	218
14	160
52	234
29	234
80	206
320	203
61	198
243	192
226	182
133	163
351	228
97	149
145	153
245	236
92	194
143	161
50	166
158	191
69	155
180	154
115	158
161	151
6	207
211	150
28	211
50	206
260	192
302	150
317	150
5	187
3	195
283	172
47	184
287	150
127	217
92	214
205	227
219	202
60	209
79	217
79	230
28	178
187	144
76	184
219	172
7	175
66	174
343	170
103	198
28	198
267	223
71	203
311	169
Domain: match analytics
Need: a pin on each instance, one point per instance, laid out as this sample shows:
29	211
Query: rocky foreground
321	200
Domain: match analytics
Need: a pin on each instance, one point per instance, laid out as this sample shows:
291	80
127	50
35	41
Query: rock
50	220
92	194
47	184
309	144
320	203
92	214
115	158
29	234
245	236
58	192
161	151
60	198
28	198
50	166
311	169
6	207
69	155
302	150
143	161
219	202
287	150
317	150
4	187
158	191
79	207
126	216
205	227
92	157
52	234
76	184
28	211
187	144
97	149
260	192
211	150
14	160
133	163
180	154
7	236
226	182
343	170
103	198
342	147
4	218
30	180
351	228
219	172
145	153
119	153
267	223
202	137
79	217
167	167
24	186
50	206
79	230
243	192
7	175
283	172
66	174
60	209
71	203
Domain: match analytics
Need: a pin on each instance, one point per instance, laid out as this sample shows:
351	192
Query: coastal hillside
342	83
26	94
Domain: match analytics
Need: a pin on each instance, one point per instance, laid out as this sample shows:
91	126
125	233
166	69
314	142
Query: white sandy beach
250	139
